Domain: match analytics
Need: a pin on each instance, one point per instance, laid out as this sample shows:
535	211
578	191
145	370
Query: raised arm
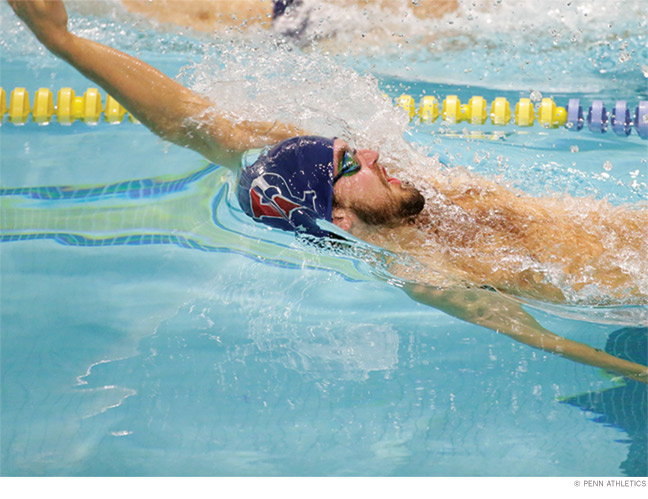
488	309
167	108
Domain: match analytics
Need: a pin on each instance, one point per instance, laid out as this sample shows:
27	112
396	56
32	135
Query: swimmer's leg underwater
506	316
181	116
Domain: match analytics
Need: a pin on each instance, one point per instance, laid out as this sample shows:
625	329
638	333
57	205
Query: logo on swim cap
267	198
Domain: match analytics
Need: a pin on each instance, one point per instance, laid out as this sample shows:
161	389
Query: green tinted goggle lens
347	167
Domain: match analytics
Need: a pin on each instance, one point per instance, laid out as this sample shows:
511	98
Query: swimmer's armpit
261	133
223	141
496	312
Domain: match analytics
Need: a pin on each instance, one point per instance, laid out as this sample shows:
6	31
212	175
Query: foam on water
271	81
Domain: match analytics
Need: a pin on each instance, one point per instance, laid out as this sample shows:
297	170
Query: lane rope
547	114
69	107
90	109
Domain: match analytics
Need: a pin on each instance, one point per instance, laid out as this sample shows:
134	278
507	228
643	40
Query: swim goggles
347	167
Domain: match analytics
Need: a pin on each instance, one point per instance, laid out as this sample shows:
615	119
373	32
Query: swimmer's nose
370	157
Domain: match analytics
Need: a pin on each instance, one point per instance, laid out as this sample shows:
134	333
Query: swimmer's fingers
641	376
47	19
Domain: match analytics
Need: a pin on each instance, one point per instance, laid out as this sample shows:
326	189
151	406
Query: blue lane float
641	119
574	115
597	118
621	121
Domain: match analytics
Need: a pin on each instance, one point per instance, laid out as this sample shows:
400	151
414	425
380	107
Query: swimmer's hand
47	19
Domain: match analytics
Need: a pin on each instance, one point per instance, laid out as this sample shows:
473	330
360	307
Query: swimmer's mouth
391	180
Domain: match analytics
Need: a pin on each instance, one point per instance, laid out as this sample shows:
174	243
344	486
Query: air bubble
535	96
624	57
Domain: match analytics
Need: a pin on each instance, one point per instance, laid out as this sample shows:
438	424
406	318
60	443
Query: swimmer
297	180
298	19
209	15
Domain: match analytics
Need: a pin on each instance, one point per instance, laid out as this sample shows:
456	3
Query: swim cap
291	185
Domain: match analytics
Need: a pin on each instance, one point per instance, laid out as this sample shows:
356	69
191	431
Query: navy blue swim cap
291	185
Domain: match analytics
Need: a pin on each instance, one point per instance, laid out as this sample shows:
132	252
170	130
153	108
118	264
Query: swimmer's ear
344	218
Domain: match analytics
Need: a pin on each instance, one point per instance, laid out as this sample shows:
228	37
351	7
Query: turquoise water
160	332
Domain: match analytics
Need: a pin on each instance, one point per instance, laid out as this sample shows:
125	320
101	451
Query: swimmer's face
375	197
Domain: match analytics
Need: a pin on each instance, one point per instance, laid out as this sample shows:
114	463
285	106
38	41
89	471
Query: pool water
160	332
